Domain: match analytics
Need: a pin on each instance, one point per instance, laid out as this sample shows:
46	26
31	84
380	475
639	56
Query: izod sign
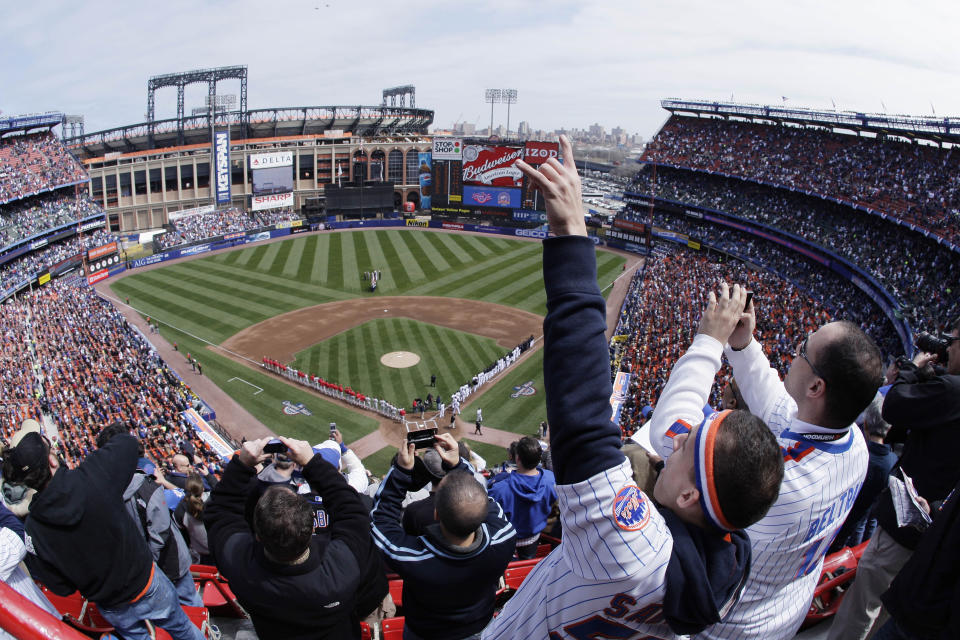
539	152
447	148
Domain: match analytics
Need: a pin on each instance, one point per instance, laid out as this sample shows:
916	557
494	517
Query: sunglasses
802	352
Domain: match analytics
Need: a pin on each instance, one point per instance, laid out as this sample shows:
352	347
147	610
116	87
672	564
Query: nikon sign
221	160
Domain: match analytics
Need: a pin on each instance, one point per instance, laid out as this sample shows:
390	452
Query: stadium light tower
510	97
492	96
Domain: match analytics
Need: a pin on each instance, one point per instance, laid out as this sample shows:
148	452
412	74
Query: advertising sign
491	197
629	224
99	252
536	153
426	179
208	434
87	226
97	276
272	201
221	160
493	166
268	160
535	216
186	213
447	148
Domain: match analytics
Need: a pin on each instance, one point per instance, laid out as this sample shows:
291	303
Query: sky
572	63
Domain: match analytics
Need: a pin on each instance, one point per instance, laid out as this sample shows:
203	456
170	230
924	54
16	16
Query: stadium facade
141	173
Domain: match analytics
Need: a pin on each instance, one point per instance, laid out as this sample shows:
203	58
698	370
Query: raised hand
560	186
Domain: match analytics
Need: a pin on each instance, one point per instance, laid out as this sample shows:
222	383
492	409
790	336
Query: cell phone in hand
333	430
422	438
749	300
275	446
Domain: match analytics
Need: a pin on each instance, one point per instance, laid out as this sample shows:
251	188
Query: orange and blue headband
704	469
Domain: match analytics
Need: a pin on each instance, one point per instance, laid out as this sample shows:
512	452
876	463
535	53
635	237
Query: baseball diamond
459	301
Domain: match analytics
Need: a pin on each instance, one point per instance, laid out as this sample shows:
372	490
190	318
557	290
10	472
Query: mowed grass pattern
217	296
353	358
213	298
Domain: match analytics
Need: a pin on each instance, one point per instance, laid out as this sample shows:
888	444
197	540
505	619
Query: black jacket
924	413
448	592
315	599
925	596
82	537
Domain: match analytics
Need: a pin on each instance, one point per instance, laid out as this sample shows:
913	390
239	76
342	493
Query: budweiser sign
493	166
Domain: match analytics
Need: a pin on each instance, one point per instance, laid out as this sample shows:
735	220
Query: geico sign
530	233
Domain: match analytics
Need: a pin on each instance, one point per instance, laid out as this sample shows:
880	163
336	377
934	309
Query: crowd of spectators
915	182
22	269
275	216
33	163
661	312
830	289
29	217
200	226
915	269
71	355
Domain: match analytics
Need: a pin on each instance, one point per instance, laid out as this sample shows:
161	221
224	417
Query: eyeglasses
802	352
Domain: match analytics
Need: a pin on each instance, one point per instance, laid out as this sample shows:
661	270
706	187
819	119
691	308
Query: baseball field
453	302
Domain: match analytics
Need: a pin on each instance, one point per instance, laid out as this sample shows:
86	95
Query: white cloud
573	63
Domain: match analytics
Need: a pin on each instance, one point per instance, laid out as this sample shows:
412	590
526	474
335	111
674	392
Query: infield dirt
283	336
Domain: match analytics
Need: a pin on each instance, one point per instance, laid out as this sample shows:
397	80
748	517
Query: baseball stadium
339	272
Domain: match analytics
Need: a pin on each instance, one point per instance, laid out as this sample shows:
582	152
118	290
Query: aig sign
221	160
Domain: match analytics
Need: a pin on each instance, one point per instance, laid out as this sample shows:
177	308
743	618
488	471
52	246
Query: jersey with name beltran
821	479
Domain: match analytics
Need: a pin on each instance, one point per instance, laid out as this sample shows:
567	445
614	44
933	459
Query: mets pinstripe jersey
607	578
821	480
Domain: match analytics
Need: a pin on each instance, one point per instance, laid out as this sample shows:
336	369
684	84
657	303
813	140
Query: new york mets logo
482	197
292	409
503	199
526	389
631	509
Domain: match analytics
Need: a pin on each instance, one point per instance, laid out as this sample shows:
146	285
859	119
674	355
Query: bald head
180	463
461	503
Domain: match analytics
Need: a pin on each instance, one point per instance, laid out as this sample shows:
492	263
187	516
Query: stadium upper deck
323	122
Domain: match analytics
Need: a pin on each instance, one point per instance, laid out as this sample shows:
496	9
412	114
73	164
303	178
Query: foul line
118	302
260	389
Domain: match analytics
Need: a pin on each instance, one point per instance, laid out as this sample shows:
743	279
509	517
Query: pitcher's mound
399	359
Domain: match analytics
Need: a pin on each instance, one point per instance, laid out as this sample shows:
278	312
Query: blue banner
221	160
527	214
426	178
502	197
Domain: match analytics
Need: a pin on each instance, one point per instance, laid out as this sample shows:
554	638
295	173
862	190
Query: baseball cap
434	463
28	451
329	450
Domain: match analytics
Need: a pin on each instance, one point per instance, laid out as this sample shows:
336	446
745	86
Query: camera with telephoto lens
932	344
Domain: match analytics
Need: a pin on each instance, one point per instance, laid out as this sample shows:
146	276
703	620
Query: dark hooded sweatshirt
82	537
623	570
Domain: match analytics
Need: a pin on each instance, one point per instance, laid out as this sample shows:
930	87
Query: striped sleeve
611	530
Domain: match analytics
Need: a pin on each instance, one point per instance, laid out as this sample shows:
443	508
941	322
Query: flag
339	174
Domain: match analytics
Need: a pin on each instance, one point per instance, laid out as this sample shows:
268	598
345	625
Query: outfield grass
493	454
353	358
217	296
522	414
267	406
